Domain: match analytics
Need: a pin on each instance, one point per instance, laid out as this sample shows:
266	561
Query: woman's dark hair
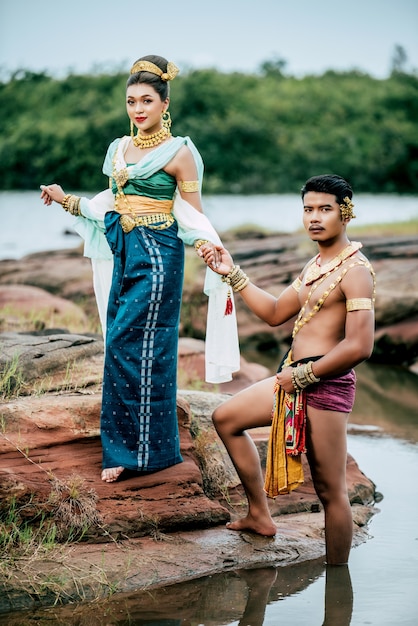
161	86
328	183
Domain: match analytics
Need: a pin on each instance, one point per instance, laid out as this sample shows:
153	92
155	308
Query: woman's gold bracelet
236	278
199	243
71	204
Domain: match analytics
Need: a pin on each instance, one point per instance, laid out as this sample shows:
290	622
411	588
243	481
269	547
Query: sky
311	36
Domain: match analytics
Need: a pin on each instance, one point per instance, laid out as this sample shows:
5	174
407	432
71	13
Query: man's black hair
328	183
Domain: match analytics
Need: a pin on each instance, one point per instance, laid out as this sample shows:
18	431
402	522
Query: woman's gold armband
189	186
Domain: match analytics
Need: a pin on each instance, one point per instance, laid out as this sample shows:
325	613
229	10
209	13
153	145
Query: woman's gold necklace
150	141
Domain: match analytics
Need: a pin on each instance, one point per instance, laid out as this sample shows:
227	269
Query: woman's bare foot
111	474
265	527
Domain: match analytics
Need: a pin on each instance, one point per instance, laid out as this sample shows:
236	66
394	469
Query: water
385	570
29	226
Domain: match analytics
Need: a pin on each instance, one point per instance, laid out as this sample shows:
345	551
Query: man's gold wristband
237	278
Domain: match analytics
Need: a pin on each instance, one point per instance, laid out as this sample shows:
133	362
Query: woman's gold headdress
147	66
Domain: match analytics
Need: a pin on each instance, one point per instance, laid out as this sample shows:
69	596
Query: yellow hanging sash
284	470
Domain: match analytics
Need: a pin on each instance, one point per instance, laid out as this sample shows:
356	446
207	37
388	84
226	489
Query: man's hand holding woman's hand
217	258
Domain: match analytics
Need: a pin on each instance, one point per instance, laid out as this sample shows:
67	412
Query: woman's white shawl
222	356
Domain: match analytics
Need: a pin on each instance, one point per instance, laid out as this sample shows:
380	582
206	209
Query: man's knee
330	492
219	417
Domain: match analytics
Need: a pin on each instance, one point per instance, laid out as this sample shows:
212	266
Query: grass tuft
11	379
73	507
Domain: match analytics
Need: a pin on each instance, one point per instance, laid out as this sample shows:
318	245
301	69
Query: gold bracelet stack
199	242
302	376
236	278
71	204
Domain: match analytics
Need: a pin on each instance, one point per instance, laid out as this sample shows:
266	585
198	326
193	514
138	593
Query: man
333	299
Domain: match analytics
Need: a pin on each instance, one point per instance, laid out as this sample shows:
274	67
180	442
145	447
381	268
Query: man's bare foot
264	527
111	474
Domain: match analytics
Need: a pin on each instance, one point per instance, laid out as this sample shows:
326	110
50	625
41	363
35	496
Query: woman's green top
160	186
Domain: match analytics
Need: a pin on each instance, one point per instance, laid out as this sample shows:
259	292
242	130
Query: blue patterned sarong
139	427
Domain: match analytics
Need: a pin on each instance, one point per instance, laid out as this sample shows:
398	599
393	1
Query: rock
47	352
397	344
62	272
65	273
56	352
60	436
21	305
191	369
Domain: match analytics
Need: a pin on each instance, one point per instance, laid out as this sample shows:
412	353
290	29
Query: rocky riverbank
54	289
146	531
143	532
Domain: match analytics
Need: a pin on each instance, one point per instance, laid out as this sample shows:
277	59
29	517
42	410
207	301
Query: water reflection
264	587
240	597
338	596
259	583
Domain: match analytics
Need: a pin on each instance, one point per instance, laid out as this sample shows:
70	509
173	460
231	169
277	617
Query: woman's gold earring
166	119
132	130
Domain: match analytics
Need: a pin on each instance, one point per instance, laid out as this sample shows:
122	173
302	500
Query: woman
138	227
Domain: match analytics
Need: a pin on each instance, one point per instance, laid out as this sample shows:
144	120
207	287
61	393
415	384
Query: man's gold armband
297	284
359	304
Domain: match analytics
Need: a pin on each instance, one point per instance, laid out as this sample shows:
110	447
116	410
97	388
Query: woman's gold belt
144	211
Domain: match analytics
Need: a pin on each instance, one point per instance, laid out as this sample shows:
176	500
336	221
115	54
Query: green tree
257	133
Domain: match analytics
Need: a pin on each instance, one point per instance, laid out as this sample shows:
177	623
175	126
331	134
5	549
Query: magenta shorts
333	394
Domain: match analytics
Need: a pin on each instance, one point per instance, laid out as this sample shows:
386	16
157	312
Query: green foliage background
257	133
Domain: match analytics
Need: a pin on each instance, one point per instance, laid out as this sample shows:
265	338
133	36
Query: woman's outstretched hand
217	258
50	193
